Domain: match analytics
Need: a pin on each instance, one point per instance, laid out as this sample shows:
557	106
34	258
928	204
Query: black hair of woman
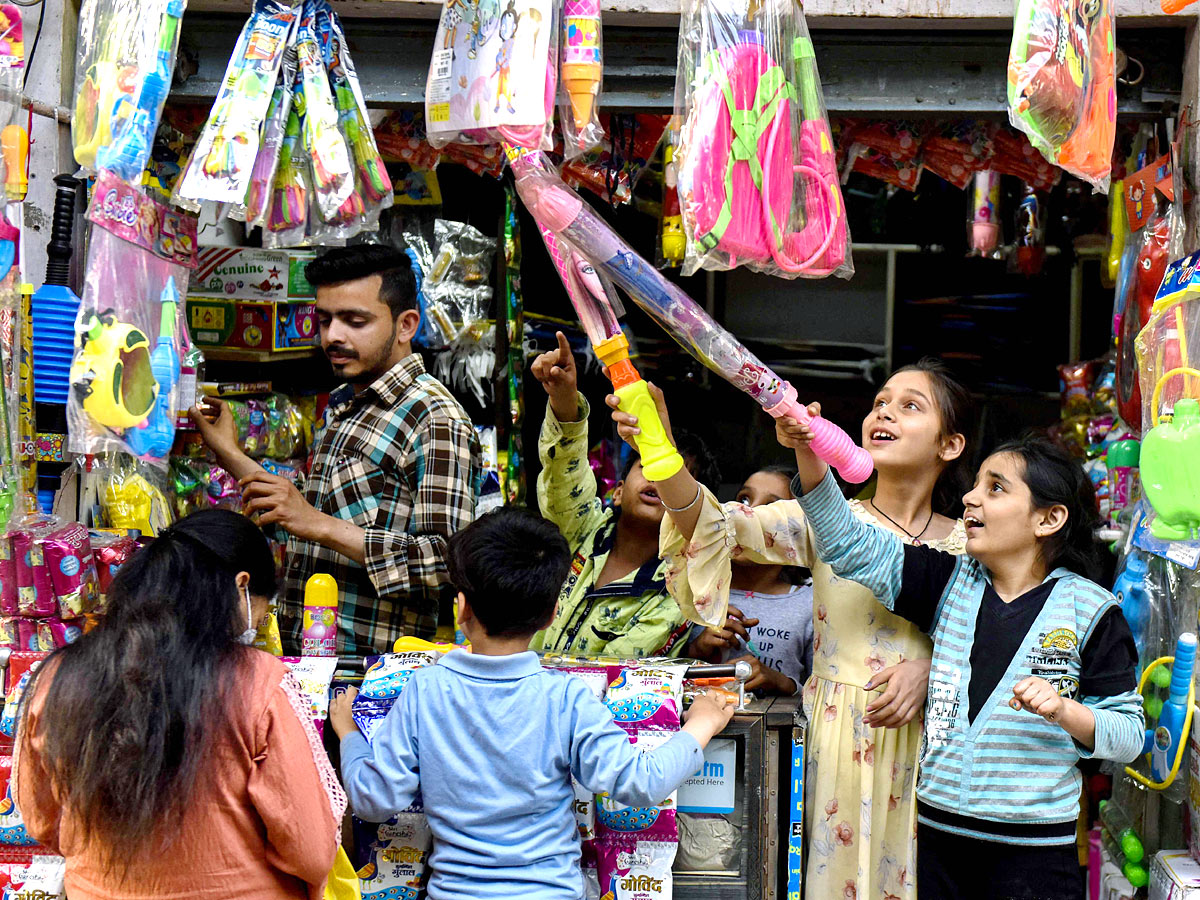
133	706
1055	478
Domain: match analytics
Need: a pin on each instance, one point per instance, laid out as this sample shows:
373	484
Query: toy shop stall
717	199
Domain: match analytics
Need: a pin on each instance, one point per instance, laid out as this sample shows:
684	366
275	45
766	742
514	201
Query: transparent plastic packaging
126	367
456	283
580	76
223	161
757	175
493	74
266	164
126	54
1062	84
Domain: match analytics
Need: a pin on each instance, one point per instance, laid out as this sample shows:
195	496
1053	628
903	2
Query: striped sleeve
1120	727
852	548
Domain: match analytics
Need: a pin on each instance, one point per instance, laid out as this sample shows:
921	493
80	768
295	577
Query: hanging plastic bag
1062	84
125	371
581	75
270	149
222	163
126	56
493	73
287	217
758	180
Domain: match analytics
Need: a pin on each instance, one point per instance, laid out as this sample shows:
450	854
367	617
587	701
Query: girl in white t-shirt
770	608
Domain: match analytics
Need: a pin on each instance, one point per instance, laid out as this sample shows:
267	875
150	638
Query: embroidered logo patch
1060	639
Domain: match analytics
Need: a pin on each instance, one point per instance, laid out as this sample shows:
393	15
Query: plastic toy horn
563	212
155	437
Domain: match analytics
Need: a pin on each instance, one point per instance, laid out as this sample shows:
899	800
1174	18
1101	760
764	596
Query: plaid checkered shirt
402	461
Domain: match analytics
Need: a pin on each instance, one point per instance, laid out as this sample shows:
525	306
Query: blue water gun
156	436
127	155
1165	740
1130	591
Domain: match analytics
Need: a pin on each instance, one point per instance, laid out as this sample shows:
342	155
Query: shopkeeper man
394	471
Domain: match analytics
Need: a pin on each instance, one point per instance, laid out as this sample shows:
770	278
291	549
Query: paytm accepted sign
711	790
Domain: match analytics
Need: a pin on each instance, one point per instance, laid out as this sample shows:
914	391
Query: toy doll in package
1061	83
757	178
493	74
126	369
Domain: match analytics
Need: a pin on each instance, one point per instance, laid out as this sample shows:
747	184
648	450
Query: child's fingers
814	409
564	349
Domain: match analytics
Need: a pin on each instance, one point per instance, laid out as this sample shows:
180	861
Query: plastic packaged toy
1061	83
582	72
493	73
566	215
126	55
223	160
266	163
758	179
125	372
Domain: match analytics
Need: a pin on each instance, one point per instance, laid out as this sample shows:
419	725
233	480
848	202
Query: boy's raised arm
381	778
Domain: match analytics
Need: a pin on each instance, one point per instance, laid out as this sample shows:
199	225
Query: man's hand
276	501
764	678
340	716
712	642
556	371
907	684
1038	696
214	421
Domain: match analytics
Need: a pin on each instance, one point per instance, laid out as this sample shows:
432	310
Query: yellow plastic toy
1187	729
111	373
101	99
131	503
417	645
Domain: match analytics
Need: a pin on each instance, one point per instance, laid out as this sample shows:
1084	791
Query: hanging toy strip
514	475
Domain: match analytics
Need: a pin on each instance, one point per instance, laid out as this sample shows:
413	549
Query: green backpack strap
748	126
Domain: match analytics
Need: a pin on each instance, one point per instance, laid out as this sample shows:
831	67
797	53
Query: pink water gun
562	212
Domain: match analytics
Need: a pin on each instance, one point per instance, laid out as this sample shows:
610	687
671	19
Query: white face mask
247	636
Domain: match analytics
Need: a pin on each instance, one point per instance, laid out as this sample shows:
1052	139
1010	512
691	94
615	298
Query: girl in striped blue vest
1033	666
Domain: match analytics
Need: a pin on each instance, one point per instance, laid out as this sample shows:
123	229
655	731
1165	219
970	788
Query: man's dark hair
510	565
399	286
696	456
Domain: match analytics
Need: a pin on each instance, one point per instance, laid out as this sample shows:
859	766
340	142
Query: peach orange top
264	823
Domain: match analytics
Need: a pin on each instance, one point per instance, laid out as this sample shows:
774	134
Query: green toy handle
660	459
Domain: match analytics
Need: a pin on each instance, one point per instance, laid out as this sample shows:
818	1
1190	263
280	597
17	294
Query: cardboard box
252	324
1174	876
248	273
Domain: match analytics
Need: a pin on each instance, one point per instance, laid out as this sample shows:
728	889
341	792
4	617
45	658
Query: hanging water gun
1170	476
673	242
598	314
155	436
1166	741
126	156
565	214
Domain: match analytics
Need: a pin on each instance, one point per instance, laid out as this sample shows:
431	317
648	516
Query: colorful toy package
35	591
754	128
110	552
126	60
221	165
1061	83
493	74
582	73
126	368
72	566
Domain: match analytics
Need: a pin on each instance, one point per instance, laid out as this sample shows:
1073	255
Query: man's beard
374	366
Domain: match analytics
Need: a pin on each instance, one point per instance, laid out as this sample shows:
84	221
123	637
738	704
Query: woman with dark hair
161	755
870	668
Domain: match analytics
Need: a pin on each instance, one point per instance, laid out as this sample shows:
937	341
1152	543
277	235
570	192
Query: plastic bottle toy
111	374
1170	475
320	616
1164	742
1130	591
155	436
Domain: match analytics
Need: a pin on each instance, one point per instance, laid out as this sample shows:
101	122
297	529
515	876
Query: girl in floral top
870	667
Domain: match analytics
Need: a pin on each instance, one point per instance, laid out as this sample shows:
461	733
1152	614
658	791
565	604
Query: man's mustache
339	350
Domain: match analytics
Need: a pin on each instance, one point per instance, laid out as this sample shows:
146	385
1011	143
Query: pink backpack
744	179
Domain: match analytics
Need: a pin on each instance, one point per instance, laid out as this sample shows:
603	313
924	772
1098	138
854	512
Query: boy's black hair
696	456
1055	478
398	288
510	564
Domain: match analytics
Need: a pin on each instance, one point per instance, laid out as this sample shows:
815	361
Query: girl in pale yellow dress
863	744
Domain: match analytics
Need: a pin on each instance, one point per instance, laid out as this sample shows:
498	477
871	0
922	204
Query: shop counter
743	853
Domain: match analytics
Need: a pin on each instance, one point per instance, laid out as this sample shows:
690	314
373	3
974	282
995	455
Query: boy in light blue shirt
490	739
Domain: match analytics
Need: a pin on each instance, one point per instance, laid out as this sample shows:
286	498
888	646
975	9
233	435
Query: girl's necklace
915	538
